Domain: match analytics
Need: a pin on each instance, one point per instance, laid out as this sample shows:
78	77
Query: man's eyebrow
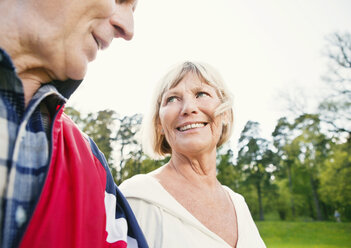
134	2
131	2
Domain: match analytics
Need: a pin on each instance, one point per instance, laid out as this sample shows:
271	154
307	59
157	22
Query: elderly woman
182	204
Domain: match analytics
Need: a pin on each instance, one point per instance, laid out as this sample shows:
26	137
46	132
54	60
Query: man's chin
76	72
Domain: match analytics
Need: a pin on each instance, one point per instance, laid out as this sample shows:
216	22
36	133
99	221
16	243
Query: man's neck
12	39
31	81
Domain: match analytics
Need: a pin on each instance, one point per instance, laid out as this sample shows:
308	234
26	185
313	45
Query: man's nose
123	22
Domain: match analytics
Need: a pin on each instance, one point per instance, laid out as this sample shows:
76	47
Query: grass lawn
285	234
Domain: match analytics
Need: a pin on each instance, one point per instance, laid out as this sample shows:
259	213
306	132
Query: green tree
336	112
286	154
255	160
314	148
335	179
129	147
227	173
100	126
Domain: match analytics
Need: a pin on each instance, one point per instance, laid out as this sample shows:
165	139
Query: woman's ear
225	118
160	129
228	117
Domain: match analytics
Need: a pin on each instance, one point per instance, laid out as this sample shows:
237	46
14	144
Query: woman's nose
189	106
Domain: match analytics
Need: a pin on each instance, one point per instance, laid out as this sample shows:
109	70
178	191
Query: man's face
68	33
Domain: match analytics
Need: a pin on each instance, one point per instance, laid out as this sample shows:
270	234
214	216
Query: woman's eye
201	94
171	99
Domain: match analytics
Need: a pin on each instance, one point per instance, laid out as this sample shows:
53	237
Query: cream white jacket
167	224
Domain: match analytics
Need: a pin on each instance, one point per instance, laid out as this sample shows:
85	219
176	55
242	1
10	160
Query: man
55	186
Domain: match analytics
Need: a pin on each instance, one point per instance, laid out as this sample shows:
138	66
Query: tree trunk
120	179
316	199
291	192
259	194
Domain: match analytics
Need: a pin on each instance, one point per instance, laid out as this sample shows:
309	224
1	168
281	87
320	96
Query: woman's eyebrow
203	87
199	88
171	91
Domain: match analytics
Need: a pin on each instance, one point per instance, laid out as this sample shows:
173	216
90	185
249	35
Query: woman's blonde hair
154	142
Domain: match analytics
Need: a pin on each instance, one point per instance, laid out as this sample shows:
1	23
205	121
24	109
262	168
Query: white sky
261	47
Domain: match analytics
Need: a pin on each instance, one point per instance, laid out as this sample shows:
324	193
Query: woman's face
187	116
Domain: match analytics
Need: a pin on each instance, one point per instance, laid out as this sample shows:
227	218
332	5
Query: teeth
190	126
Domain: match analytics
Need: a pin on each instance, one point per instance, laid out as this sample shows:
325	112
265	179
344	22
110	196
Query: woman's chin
193	147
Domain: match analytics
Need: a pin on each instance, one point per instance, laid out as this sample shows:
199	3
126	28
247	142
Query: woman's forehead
194	75
189	86
191	79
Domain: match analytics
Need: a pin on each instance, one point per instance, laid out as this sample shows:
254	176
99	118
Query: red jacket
80	206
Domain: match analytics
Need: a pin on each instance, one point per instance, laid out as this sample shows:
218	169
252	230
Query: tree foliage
129	147
227	172
335	186
336	108
255	160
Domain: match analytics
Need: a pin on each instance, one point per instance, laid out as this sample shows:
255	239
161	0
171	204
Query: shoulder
139	191
142	190
84	148
136	180
142	186
77	135
139	185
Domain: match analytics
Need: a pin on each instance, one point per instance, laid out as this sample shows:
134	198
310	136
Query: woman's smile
191	126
